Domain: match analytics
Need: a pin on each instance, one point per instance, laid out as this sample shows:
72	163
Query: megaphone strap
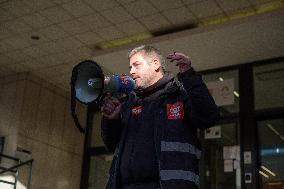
73	101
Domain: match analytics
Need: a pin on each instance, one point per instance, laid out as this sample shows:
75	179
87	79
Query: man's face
141	71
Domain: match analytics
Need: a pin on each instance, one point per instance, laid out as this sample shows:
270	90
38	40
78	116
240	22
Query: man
154	133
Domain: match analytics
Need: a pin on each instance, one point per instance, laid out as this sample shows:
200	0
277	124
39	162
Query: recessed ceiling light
35	37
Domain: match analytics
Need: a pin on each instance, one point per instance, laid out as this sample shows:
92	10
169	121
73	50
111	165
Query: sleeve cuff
188	73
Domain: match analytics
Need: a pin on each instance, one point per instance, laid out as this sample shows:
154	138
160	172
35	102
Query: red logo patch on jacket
136	110
175	111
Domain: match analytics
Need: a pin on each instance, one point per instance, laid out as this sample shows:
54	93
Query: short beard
144	86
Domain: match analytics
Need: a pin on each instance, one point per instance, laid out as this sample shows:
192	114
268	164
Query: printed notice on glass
231	152
212	132
237	164
222	91
228	165
247	157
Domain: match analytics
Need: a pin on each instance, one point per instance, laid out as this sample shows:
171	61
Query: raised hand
181	60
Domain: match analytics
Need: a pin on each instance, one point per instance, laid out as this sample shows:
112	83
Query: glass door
220	161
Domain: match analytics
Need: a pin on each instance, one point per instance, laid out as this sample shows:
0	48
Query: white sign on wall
212	132
228	165
222	91
231	152
247	157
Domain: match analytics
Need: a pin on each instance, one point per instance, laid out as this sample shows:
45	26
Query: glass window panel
214	174
271	150
268	86
224	77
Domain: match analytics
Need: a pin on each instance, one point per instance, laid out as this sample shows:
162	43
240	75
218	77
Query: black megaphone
89	84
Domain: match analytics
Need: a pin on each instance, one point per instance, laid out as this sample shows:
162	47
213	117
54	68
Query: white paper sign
247	157
237	164
228	165
248	177
231	152
212	132
222	91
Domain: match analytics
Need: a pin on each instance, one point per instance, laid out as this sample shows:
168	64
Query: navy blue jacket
178	109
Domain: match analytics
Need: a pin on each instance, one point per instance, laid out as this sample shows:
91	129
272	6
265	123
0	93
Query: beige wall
36	116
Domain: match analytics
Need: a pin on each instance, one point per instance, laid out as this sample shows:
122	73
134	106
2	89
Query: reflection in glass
268	86
271	150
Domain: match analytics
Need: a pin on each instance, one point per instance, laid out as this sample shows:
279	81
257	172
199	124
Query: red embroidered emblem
136	110
175	111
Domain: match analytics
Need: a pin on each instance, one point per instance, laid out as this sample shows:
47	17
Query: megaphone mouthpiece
119	84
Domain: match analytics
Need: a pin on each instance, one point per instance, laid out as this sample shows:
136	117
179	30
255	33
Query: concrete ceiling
47	38
247	40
